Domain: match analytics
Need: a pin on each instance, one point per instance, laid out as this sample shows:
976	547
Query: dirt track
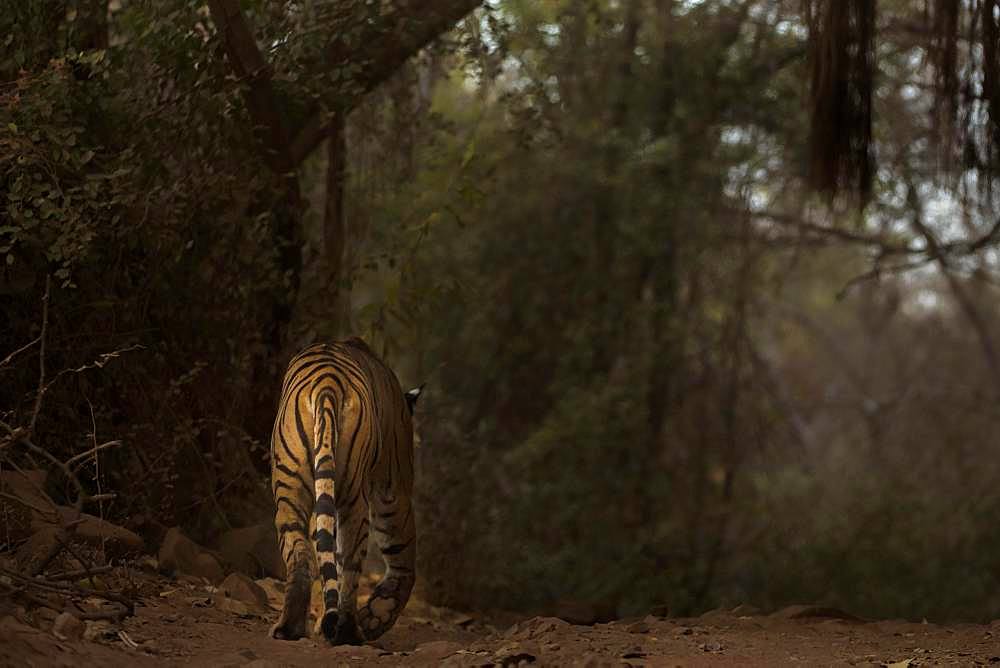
178	624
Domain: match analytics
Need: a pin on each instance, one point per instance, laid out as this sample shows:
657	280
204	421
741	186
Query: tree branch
42	387
29	344
965	302
885	246
250	67
334	224
378	49
367	51
413	25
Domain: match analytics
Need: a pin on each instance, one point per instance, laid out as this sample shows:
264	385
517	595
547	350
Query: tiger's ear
413	395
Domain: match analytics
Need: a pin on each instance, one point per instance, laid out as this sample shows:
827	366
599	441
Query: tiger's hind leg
294	502
352	539
395	535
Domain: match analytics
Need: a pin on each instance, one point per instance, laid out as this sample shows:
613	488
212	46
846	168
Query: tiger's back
342	461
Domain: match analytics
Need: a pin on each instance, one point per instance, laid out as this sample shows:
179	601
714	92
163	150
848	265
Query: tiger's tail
324	446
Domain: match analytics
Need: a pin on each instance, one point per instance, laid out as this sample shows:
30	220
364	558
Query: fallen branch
25	440
113	615
84	572
60	606
31	598
23	502
67	589
66	545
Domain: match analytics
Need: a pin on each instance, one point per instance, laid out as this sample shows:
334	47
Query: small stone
462	620
583	613
231	605
710	647
437	649
99	630
536	627
811	612
746	610
353	652
43	618
241	588
660	611
518	659
68	627
638	627
275	590
685	631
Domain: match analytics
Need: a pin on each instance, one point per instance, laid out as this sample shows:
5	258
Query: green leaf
470	153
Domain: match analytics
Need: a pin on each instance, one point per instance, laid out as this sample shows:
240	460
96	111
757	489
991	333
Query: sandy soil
179	623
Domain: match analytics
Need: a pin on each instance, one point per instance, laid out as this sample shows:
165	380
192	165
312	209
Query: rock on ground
253	551
180	554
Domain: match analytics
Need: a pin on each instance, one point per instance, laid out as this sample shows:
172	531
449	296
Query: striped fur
342	456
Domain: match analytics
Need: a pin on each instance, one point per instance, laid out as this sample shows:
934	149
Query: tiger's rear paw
285	630
329	625
341	631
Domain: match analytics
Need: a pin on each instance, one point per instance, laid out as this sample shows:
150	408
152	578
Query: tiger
342	456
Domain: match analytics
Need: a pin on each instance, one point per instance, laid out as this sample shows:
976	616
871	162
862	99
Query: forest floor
179	622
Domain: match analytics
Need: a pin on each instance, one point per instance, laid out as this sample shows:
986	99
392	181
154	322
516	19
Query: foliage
659	371
594	288
626	397
137	238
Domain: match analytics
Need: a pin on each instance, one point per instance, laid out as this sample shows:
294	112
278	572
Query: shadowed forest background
694	331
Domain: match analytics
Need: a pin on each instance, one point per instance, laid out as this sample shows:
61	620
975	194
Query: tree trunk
286	235
607	198
335	226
